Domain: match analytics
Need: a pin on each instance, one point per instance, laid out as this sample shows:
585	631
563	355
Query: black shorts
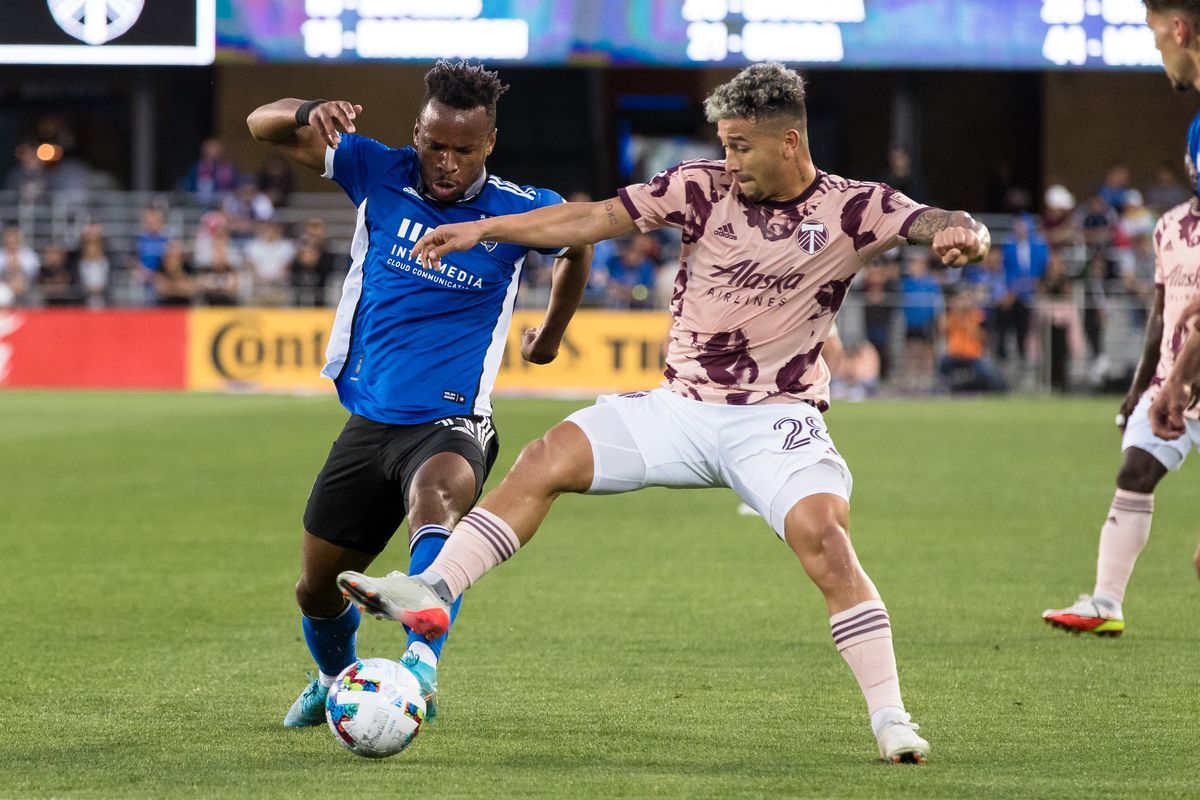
361	495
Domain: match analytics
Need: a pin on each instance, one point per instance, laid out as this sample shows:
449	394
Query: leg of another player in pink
1121	540
507	518
816	530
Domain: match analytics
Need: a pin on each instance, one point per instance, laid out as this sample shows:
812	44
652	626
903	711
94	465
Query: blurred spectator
269	258
213	226
986	285
1134	228
921	295
28	177
1061	319
1002	192
1060	225
173	281
220	284
965	366
1136	271
880	292
150	246
55	282
14	286
91	264
632	274
222	281
904	176
1095	312
311	271
1099	225
1167	191
213	176
15	254
275	180
1115	187
1025	259
856	372
246	207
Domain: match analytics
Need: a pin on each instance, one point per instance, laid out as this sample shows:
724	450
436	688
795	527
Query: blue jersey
411	345
1193	154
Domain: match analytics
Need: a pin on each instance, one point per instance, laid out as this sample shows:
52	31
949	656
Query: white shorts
772	455
1169	452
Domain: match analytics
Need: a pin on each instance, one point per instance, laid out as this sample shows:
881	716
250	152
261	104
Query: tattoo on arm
612	214
934	220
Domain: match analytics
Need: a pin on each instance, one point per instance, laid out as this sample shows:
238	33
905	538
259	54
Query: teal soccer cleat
309	708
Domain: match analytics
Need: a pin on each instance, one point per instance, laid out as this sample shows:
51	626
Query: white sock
326	680
1121	540
424	653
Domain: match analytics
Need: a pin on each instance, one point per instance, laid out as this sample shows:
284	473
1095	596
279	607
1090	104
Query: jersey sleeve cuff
911	219
627	201
329	152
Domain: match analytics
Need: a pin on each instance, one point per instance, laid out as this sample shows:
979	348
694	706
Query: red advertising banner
77	348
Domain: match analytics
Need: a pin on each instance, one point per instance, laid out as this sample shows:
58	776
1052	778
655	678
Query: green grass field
648	645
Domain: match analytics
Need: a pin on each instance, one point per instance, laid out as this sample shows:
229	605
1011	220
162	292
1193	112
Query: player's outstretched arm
540	345
564	224
302	137
1148	363
954	236
1180	389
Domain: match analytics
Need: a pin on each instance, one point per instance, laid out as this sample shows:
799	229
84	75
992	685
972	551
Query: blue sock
424	546
331	641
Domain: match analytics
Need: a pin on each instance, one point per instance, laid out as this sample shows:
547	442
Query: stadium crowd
1039	302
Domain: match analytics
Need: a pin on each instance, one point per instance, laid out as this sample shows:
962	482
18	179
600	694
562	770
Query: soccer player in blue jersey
414	353
1147	455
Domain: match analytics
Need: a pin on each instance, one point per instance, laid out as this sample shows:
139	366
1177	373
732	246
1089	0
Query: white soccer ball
375	708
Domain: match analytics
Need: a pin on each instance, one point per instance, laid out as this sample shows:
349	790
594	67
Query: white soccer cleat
400	597
1086	616
900	744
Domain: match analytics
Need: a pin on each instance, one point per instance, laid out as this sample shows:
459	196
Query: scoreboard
981	34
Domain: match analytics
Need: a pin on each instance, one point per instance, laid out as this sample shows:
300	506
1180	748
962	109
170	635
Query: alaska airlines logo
745	275
812	237
95	21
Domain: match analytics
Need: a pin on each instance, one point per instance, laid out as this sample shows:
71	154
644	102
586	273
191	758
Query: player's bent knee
1140	472
555	464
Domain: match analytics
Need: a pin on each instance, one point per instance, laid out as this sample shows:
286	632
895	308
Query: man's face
452	145
755	155
1173	36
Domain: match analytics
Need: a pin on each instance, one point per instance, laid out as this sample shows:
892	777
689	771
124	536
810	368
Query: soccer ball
375	708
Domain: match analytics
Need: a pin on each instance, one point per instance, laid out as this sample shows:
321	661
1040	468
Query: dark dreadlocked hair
459	84
1189	7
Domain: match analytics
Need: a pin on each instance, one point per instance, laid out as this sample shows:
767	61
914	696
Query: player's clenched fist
958	246
331	116
1166	412
454	238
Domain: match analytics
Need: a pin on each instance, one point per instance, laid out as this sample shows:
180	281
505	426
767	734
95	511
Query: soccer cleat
1086	616
900	744
426	676
400	597
309	708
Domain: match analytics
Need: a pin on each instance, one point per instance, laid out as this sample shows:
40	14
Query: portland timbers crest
812	237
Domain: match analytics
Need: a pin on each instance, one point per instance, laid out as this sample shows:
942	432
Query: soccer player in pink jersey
770	245
1147	455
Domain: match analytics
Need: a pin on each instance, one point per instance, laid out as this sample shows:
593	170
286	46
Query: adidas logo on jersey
726	230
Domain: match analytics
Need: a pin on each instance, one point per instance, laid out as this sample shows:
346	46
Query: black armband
305	109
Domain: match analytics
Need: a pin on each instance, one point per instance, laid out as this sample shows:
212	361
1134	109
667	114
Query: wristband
305	109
